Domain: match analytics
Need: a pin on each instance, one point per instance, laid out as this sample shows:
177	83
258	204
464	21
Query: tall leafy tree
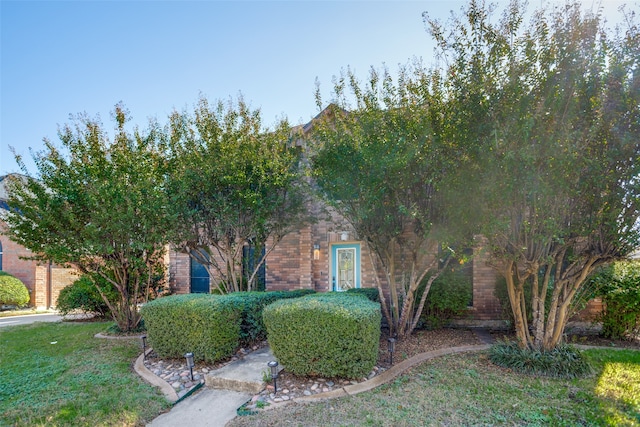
383	165
232	185
97	205
550	116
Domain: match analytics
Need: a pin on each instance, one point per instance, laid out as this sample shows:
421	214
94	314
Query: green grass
469	390
58	374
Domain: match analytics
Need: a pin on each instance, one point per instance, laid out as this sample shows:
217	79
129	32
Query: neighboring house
44	281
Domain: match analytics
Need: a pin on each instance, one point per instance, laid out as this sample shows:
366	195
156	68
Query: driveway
29	318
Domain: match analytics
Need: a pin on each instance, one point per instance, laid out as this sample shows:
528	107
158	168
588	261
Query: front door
345	266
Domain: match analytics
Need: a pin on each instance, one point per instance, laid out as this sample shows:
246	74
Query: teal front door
345	266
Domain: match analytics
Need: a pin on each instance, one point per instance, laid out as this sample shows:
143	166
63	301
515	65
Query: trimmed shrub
563	361
206	325
371	293
250	306
12	290
82	295
333	335
448	298
619	287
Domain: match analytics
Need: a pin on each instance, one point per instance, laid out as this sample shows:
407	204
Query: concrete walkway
226	390
209	407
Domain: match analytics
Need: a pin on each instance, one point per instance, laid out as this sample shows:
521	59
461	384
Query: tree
383	166
232	185
98	206
551	124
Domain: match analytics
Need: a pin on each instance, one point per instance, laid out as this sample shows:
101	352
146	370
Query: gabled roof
4	195
299	133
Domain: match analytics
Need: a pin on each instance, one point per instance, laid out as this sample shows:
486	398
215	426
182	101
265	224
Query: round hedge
333	335
83	295
12	290
206	325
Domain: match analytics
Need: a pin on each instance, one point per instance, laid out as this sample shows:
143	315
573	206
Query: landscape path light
144	346
190	364
273	365
392	347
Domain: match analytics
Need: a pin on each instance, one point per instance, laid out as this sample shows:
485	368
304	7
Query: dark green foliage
232	184
12	290
250	306
334	335
545	115
98	204
82	295
206	325
564	361
448	298
371	293
619	287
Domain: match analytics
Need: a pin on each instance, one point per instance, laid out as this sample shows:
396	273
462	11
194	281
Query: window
249	261
199	278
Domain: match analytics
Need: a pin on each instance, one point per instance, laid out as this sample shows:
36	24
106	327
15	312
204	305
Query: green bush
371	293
563	361
449	297
12	290
251	304
82	295
206	325
332	335
619	287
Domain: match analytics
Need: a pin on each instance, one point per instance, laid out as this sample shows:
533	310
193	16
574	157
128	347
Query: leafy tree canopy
232	184
550	115
384	165
98	205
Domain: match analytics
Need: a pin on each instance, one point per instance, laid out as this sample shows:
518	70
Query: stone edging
154	380
384	377
400	368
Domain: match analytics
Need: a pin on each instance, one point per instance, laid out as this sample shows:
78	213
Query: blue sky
66	57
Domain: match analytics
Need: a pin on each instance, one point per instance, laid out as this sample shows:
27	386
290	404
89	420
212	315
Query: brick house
44	281
328	256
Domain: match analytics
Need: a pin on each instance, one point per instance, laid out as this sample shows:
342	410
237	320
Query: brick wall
35	276
590	312
288	266
179	272
485	305
60	278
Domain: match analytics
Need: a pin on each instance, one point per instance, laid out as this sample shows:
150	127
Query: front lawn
58	374
470	390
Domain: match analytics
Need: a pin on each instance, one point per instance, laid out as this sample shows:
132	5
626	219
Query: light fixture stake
392	347
273	365
144	346
190	363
